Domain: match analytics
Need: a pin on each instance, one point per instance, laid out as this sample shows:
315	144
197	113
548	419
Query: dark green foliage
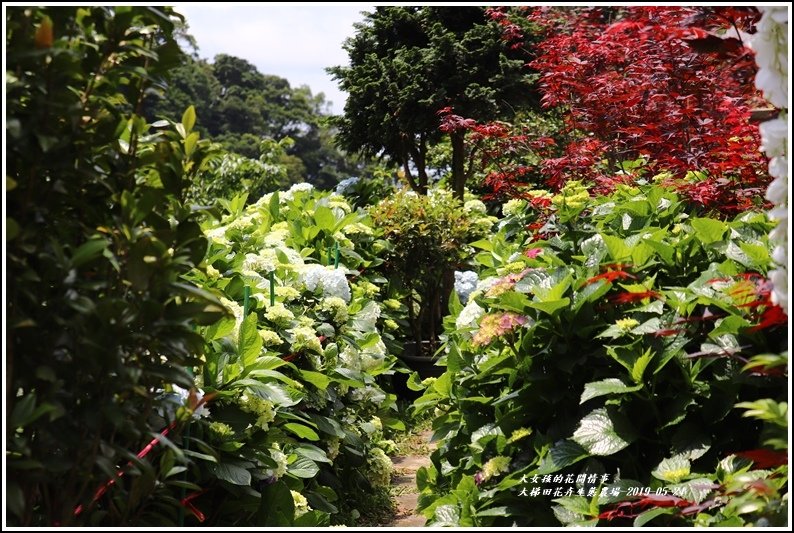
99	318
407	63
240	107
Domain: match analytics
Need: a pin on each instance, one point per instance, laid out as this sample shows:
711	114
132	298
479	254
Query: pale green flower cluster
357	228
301	503
281	463
278	314
258	406
368	289
287	293
495	467
339	202
336	307
519	434
333	448
220	430
514	207
392	304
469	316
627	324
305	338
269	338
474	206
213	272
380	468
573	195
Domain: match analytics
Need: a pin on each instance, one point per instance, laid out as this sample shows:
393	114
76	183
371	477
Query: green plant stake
272	287
336	256
247	298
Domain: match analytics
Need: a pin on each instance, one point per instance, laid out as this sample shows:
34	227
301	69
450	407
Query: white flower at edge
770	43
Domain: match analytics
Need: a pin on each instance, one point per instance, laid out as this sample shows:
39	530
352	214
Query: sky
294	41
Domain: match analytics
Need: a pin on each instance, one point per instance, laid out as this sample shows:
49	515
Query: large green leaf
603	432
447	516
595	389
250	343
230	472
673	469
317	379
563	453
708	230
303	467
325	218
301	431
617	247
550	307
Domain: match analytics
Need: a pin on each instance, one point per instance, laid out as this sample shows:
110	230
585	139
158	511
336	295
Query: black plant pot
421	361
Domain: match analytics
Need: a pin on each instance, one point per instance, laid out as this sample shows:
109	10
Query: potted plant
427	240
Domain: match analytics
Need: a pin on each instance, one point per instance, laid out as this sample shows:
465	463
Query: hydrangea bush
293	369
612	375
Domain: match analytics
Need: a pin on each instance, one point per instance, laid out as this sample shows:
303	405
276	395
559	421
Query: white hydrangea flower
294	258
178	398
217	235
368	393
332	282
276	237
469	316
265	261
297	188
367	318
771	54
465	284
372	357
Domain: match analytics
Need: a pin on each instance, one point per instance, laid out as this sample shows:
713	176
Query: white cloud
296	42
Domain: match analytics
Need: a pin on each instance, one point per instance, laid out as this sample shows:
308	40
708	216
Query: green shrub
100	320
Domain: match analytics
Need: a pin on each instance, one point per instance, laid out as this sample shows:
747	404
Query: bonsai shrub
427	239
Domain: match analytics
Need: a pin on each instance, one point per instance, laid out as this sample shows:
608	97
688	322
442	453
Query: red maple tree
670	85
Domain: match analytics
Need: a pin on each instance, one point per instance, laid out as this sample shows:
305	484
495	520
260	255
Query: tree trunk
458	162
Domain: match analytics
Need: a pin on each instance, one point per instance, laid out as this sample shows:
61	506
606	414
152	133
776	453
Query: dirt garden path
404	491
